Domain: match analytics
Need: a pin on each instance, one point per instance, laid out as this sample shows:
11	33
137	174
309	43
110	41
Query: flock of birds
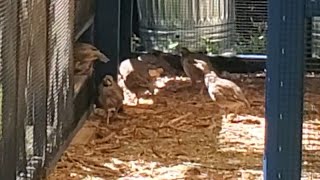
139	74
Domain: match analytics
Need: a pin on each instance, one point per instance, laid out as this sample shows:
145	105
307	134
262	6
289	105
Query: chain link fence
36	71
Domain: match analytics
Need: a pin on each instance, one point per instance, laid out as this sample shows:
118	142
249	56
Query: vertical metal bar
107	35
284	91
70	94
126	28
38	64
135	17
23	54
9	93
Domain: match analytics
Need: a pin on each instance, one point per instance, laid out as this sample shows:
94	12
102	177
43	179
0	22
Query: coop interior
177	133
167	127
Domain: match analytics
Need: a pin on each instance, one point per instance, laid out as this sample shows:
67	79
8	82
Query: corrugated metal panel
192	23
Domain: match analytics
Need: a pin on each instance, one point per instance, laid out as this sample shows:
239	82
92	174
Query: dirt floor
182	135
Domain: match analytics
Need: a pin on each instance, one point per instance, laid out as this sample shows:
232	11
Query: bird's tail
247	103
102	57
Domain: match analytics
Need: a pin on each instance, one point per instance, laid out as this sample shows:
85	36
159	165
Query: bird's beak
103	58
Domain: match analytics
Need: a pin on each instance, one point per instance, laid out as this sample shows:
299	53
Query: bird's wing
228	92
137	78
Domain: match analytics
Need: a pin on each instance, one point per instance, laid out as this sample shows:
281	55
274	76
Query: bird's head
184	51
108	80
202	65
90	52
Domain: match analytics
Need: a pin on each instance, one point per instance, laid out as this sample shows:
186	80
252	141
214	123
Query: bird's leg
137	97
193	82
225	113
203	87
115	114
237	113
201	90
111	110
108	116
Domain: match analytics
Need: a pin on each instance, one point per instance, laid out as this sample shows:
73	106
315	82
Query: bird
189	61
135	75
160	61
110	97
225	93
84	56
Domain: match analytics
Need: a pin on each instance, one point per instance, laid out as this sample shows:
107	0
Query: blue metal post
284	89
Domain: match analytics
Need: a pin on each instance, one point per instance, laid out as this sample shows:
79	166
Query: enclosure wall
36	71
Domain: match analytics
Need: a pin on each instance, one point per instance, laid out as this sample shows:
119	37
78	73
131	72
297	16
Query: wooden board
85	134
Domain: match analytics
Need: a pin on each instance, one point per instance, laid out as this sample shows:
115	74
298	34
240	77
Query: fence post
125	28
107	35
284	89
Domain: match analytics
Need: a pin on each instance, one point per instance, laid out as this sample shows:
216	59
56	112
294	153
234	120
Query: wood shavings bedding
183	136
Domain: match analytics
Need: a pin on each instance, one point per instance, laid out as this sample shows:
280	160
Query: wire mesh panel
293	108
2	12
251	26
313	43
31	111
23	57
60	104
198	25
8	39
311	112
36	89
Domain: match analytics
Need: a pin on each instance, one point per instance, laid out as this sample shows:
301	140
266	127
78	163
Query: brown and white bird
225	93
84	56
135	75
110	97
189	63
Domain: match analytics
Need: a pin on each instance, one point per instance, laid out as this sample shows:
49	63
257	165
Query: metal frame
107	35
284	89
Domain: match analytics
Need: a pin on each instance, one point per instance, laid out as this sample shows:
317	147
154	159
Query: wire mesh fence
251	26
216	27
311	112
198	25
36	70
213	26
8	58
